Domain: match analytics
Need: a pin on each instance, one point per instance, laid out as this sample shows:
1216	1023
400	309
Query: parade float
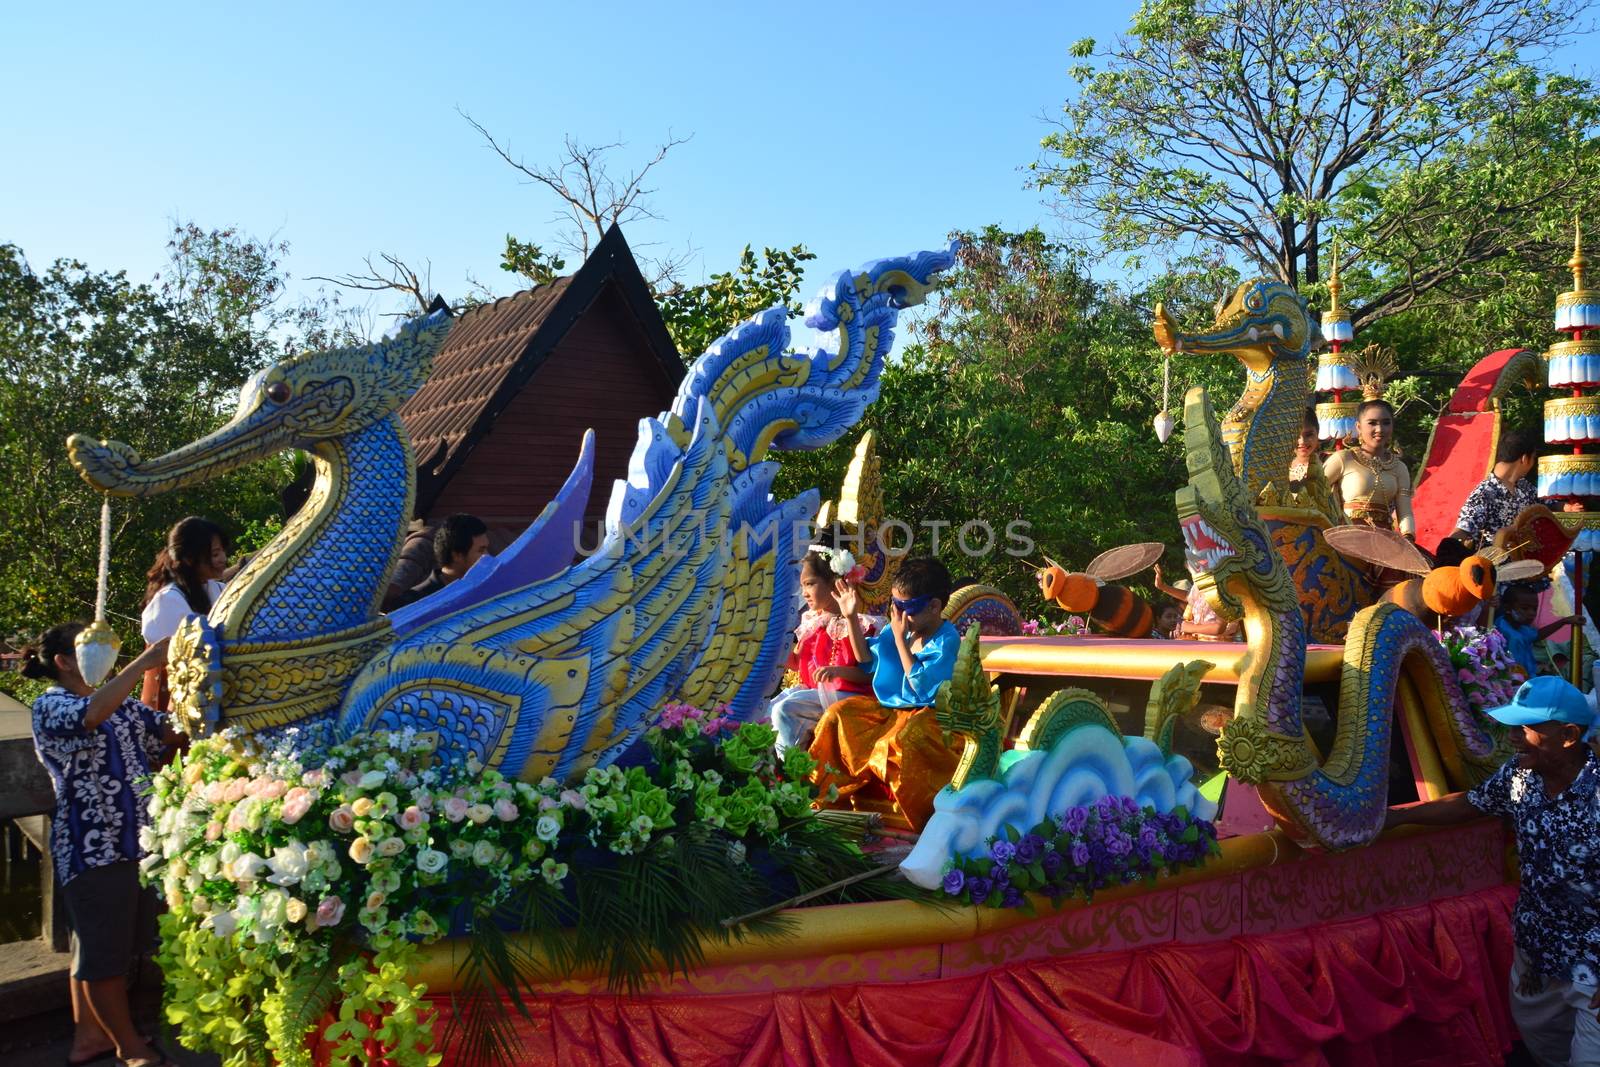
536	818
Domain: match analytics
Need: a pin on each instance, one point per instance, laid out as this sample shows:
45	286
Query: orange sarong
882	759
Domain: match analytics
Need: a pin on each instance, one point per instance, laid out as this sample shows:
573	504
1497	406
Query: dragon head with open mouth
1225	543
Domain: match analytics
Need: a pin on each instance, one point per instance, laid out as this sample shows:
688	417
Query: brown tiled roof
472	365
493	351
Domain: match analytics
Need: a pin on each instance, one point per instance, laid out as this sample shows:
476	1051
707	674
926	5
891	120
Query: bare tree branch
592	199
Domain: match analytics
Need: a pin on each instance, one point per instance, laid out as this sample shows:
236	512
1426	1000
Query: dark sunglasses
912	606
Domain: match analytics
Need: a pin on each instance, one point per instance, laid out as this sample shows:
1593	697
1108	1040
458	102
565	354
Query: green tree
1428	135
697	315
156	365
1029	395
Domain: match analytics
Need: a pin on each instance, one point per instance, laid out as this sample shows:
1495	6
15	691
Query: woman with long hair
185	580
98	746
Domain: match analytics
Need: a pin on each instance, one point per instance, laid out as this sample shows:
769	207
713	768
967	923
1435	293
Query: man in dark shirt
458	543
1551	792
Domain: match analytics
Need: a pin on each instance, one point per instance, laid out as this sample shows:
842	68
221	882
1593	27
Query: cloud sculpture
1085	764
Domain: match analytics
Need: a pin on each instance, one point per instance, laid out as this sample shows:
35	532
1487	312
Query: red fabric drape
1422	986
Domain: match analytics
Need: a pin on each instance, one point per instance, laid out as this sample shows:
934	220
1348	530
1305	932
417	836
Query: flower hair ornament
841	562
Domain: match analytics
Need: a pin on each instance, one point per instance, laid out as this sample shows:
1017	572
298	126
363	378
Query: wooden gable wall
602	376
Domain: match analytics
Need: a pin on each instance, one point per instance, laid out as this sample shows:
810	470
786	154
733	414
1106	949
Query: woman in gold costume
1368	479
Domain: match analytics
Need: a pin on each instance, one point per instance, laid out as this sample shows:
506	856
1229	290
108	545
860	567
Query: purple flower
1117	842
1052	863
954	882
1147	837
1012	897
1002	851
979	888
1000	876
1108	806
1080	854
1075	820
1030	848
1130	806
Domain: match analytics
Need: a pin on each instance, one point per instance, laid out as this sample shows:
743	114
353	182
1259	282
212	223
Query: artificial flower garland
299	885
1111	842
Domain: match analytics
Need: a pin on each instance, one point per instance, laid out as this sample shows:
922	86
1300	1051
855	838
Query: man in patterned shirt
1497	500
1551	793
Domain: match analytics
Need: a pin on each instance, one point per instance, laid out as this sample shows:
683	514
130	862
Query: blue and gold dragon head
296	403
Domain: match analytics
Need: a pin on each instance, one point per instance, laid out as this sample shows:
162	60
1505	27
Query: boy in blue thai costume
823	655
886	752
1519	607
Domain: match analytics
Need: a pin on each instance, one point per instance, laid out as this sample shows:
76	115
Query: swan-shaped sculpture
528	664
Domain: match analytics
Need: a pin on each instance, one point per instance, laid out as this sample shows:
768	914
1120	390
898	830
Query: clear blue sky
860	130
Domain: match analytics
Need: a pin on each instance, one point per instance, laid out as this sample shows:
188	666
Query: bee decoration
1112	608
1446	591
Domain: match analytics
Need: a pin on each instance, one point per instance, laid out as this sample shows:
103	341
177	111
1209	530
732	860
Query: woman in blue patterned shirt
98	745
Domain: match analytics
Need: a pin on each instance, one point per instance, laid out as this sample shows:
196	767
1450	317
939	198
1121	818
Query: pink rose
504	810
351	778
296	803
424	800
455	808
252	786
234	792
330	911
573	799
342	819
215	792
213	830
315	779
546	803
238	816
272	789
409	819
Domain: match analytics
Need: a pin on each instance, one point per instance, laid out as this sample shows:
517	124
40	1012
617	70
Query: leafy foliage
1029	395
94	352
157	365
299	889
1430	136
696	315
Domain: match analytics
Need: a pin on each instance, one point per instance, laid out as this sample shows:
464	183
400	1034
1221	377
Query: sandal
109	1053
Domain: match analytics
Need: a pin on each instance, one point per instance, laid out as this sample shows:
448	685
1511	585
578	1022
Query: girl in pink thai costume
822	654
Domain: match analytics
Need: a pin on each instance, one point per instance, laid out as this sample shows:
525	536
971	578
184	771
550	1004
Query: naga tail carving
968	705
767	397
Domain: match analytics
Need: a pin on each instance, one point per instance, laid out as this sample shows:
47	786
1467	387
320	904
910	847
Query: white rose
208	865
289	863
547	828
431	861
483	853
247	868
391	846
273	904
295	910
230	852
223	923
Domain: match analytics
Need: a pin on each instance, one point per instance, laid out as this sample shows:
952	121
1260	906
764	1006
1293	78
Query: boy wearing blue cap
1551	792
